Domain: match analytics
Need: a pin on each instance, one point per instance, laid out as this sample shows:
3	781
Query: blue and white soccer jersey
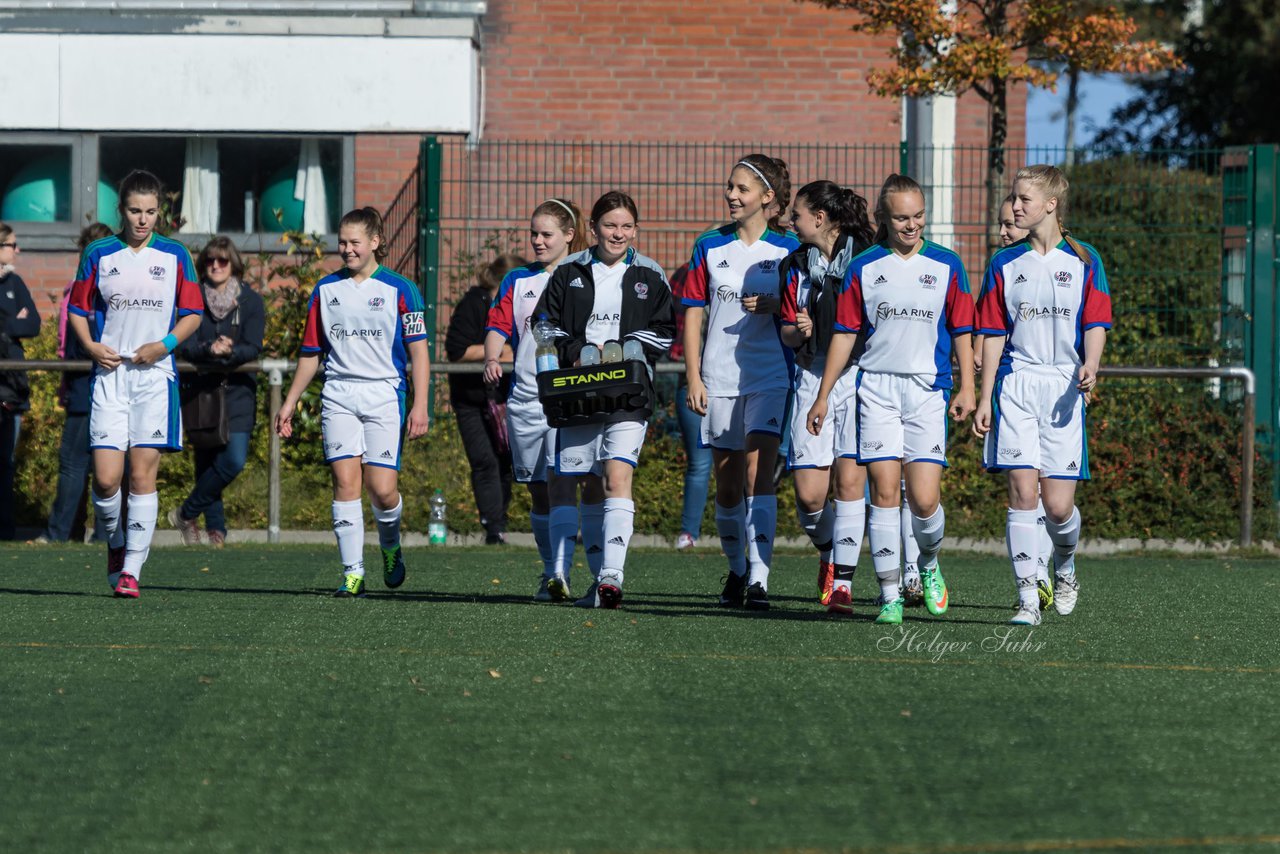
1043	304
531	439
363	330
745	366
131	299
908	309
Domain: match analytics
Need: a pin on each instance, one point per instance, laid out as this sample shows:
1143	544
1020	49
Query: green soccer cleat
558	588
1045	592
352	585
393	571
890	613
935	590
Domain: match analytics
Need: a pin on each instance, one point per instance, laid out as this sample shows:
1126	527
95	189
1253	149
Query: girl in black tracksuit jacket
607	293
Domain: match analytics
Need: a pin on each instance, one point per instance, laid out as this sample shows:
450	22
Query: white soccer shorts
362	419
532	441
1038	422
730	420
585	449
135	407
901	418
839	436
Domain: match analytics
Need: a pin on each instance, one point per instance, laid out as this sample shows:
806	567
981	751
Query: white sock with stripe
819	526
388	523
884	532
851	521
929	533
1065	536
762	525
539	522
107	511
1022	533
731	525
348	527
619	523
562	526
592	517
143	510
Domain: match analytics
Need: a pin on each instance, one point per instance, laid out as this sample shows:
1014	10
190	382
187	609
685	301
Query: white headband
567	210
759	174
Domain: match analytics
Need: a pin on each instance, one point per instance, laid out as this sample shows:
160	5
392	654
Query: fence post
275	369
429	171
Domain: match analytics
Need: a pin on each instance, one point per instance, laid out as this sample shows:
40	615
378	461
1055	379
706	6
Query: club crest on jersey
414	323
642	290
767	266
157	272
929	280
376	303
1063	278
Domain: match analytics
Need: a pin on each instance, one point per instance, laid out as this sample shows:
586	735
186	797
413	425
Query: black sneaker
757	598
734	587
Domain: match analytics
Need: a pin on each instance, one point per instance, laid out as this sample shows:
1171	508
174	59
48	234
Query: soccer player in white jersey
1045	311
911	300
556	230
135	298
367	323
739	378
832	221
607	293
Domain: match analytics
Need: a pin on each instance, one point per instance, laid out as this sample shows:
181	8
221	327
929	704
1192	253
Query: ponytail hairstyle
568	218
893	184
371	221
772	173
611	201
1054	184
843	206
139	182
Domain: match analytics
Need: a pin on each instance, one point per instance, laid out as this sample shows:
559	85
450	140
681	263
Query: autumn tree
985	46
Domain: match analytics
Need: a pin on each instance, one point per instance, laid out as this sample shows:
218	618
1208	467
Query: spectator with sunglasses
229	335
18	320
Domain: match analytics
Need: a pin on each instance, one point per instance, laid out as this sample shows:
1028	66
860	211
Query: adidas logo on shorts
885	552
937	449
880	280
1021	278
723	265
386	455
159	434
1021	556
617	541
847	541
342	523
594	550
772	422
334	302
1072	466
761	538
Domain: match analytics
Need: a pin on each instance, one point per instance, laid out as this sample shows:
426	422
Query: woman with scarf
833	224
230	334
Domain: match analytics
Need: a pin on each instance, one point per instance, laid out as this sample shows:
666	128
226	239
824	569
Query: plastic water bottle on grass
438	525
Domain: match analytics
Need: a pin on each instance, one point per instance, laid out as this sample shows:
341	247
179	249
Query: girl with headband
739	378
555	232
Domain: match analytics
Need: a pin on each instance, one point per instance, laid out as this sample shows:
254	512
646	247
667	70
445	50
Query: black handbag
205	419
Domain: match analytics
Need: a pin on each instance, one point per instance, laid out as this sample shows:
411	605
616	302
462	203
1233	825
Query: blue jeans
698	474
74	458
215	469
10	428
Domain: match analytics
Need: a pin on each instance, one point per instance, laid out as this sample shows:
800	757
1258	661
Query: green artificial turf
238	707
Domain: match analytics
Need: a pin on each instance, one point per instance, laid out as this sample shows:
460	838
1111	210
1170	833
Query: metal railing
275	369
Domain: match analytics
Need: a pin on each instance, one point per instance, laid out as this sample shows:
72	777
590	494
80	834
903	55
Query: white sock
562	527
108	510
762	524
542	536
143	510
851	521
1065	536
910	549
820	526
1044	546
885	534
1022	534
619	521
592	517
348	527
928	534
731	525
388	523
